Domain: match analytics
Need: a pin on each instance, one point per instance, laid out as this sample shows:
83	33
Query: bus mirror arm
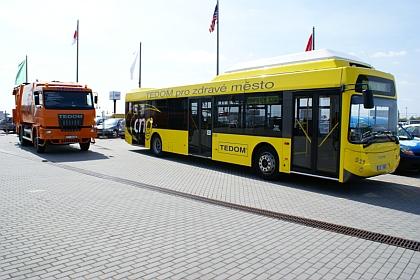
368	102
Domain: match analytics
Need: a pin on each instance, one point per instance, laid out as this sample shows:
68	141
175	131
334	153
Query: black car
7	125
121	129
110	127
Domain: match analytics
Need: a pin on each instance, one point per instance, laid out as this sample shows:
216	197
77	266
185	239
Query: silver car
110	127
7	125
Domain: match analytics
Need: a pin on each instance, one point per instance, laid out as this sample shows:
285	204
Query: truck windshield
368	126
69	100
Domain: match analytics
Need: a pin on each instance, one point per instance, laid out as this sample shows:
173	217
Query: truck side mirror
368	102
95	99
36	99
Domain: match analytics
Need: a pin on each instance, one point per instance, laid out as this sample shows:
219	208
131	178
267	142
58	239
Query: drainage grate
359	233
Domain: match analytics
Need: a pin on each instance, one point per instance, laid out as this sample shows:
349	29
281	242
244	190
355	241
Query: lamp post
406	115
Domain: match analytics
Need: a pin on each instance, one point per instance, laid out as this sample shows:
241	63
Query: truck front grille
70	122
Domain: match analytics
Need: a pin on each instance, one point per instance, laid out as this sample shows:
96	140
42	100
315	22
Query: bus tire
156	146
266	163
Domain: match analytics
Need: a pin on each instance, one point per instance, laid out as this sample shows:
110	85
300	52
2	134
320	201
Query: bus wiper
387	134
370	141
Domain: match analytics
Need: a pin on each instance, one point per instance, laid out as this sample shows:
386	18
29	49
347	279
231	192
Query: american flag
213	21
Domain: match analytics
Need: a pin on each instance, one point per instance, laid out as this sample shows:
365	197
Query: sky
178	49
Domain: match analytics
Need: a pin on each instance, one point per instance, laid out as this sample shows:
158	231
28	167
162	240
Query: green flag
21	74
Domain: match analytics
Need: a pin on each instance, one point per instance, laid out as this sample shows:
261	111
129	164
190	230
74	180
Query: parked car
413	129
109	127
7	125
121	129
409	150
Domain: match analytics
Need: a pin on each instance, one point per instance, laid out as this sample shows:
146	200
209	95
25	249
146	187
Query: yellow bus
320	113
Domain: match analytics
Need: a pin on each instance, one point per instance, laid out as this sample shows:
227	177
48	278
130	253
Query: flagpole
77	55
217	22
26	63
313	37
140	66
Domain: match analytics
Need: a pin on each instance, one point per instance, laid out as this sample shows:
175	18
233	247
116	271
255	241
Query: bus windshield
368	126
69	100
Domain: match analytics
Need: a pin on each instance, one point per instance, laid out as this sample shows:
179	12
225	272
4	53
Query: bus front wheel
156	146
266	163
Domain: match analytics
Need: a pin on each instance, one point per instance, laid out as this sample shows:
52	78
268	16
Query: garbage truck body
54	113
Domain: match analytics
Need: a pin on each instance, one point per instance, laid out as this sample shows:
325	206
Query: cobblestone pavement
59	222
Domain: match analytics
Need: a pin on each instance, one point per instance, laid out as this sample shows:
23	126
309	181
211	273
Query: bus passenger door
199	127
315	136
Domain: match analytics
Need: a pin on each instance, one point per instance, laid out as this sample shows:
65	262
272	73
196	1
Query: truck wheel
23	142
156	146
39	149
266	163
84	146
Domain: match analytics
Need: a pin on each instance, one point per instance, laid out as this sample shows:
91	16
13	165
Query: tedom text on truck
54	113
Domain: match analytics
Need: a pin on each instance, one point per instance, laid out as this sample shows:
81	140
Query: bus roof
310	56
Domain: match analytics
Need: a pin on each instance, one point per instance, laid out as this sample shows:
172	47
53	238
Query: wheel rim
267	163
157	145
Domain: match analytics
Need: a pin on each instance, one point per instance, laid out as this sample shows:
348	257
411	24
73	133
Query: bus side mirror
368	102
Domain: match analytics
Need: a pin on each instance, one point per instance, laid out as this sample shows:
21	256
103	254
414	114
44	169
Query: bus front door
315	136
199	127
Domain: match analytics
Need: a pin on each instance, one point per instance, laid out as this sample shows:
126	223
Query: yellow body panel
365	163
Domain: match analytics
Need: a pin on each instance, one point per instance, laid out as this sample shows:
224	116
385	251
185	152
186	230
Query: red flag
74	37
213	20
310	45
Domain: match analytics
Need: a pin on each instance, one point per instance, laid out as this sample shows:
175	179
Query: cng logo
233	149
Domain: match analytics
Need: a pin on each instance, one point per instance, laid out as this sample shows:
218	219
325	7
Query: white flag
133	66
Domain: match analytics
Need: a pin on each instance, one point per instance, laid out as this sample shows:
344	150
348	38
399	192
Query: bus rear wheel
266	163
156	146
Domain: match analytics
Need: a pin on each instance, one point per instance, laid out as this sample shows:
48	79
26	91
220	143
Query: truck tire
266	163
84	146
23	142
39	149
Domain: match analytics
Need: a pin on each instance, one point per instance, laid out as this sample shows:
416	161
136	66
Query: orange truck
54	113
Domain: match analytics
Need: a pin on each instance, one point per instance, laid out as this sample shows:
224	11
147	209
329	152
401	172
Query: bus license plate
380	167
71	136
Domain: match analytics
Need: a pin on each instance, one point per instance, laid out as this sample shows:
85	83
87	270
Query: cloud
200	56
404	83
389	54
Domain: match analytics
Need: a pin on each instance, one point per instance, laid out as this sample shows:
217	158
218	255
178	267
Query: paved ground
69	214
